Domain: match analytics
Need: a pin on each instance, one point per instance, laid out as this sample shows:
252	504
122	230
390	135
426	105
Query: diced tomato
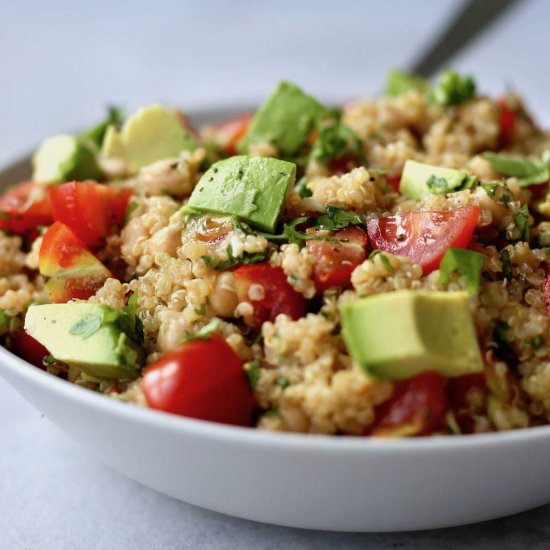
460	390
393	181
418	406
229	132
89	209
24	208
342	164
424	236
508	119
73	271
278	294
29	349
335	261
202	379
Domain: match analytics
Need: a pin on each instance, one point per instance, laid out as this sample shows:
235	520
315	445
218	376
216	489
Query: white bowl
316	482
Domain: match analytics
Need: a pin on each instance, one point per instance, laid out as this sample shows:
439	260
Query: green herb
246	258
490	188
5	320
87	326
536	342
383	258
453	89
132	205
283	382
200	310
131	318
253	373
335	141
302	189
503	346
465	262
527	172
48	360
97	133
506	265
522	222
399	83
272	412
210	261
205	333
336	218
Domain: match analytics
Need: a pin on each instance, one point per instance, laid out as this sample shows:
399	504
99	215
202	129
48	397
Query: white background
62	62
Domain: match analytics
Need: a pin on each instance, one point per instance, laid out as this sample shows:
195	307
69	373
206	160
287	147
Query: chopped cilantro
204	333
283	382
453	88
465	262
302	189
399	83
48	360
232	261
527	172
439	185
383	258
336	218
132	205
335	141
134	322
522	222
502	345
253	374
5	320
506	265
536	342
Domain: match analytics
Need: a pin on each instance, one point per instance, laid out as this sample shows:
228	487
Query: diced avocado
152	133
399	83
97	133
64	158
285	119
94	338
251	188
399	334
420	179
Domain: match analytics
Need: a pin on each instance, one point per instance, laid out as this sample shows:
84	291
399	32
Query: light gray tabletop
62	62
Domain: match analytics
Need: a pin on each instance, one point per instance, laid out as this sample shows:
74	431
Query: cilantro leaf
205	333
502	345
232	261
439	185
302	189
335	141
467	263
506	265
383	258
336	218
97	133
253	374
87	326
522	222
527	172
453	89
399	83
134	322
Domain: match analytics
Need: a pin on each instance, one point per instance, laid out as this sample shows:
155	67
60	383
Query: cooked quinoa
195	275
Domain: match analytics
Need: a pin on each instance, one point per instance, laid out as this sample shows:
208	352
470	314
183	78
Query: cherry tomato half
424	236
29	349
202	379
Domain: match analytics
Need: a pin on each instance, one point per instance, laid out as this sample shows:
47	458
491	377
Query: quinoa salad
379	269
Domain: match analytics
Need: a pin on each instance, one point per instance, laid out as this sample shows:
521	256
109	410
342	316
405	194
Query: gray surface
61	62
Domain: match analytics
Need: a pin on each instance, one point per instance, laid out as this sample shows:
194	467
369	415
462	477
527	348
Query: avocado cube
420	179
396	335
251	188
285	119
64	158
91	337
152	133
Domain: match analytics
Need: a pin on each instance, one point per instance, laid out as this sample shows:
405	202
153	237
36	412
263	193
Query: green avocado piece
420	179
399	83
251	188
64	158
285	119
397	335
152	133
91	337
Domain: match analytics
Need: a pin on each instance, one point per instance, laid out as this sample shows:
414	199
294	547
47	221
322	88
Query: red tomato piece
459	389
24	208
278	294
202	379
229	132
73	271
424	236
336	261
342	164
393	181
29	349
508	119
89	209
418	406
